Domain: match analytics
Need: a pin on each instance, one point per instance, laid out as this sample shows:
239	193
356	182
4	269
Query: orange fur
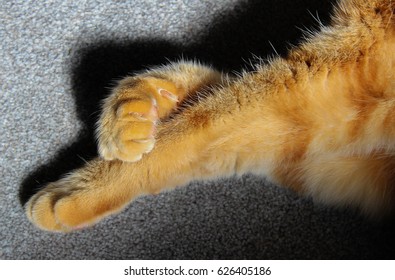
320	121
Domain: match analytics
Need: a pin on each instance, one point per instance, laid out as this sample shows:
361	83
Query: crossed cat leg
254	124
237	129
126	131
319	121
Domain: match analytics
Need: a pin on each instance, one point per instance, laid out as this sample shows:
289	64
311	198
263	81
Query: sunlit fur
320	121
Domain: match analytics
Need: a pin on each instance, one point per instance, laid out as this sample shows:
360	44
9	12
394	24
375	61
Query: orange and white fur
320	121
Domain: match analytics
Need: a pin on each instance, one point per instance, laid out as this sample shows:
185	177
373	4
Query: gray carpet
58	59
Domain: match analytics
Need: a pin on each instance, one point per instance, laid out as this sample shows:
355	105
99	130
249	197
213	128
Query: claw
167	94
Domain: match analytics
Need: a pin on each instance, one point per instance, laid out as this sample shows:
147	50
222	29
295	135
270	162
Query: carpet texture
58	59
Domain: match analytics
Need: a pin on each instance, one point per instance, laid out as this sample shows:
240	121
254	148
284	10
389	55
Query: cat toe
60	212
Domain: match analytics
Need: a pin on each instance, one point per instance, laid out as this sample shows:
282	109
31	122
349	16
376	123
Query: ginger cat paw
43	209
126	129
63	209
132	132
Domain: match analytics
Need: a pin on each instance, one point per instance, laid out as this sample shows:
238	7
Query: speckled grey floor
57	59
